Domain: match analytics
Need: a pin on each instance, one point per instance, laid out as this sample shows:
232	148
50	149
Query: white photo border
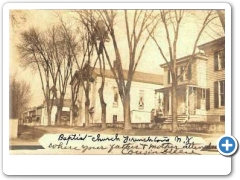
114	164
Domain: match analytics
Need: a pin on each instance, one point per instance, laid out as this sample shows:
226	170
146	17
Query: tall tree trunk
49	112
126	112
87	105
103	106
72	118
174	106
59	110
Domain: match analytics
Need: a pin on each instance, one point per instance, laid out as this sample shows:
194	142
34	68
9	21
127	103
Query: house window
219	94
219	60
114	118
115	97
203	98
222	93
141	100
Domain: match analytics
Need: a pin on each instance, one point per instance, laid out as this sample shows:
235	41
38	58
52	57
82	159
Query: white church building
143	98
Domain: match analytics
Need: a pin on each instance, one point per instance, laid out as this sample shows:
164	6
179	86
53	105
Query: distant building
201	90
33	115
142	98
38	115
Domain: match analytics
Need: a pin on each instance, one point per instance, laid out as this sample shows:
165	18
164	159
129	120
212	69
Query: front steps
180	119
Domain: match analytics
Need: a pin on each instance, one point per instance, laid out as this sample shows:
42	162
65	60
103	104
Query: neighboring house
201	89
33	115
215	50
142	98
38	115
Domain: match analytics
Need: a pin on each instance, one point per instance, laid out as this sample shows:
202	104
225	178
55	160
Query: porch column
170	104
186	103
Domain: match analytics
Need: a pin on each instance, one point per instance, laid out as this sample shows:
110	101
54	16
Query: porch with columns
191	100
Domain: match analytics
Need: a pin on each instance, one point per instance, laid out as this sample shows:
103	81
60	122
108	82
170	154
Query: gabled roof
138	76
66	102
219	41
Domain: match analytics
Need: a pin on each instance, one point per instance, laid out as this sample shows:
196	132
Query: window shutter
216	103
189	72
222	58
207	99
199	96
215	61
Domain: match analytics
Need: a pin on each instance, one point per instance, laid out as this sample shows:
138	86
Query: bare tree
35	52
63	57
99	35
101	89
49	54
83	61
92	36
172	20
136	29
74	98
31	50
20	95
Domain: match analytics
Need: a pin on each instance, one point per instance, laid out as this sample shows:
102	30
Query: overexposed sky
150	60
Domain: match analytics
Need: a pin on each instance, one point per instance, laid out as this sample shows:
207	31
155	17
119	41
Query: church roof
138	76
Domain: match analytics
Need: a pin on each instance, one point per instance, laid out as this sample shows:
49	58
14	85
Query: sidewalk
23	142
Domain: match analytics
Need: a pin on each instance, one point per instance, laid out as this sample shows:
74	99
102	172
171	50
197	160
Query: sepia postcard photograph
87	81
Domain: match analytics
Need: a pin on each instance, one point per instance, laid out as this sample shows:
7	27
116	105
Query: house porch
192	103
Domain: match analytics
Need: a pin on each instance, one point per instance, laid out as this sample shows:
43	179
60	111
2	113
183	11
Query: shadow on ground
30	133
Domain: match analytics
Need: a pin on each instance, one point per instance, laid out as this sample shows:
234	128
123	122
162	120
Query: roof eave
211	43
186	58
